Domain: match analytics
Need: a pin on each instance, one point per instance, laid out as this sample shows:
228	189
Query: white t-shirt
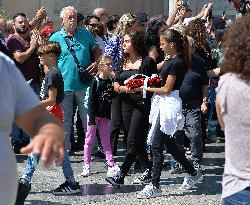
100	42
16	98
188	20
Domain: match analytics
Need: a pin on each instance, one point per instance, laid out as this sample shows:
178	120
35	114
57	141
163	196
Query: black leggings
136	123
161	139
116	123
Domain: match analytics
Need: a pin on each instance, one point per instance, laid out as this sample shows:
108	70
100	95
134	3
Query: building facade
151	7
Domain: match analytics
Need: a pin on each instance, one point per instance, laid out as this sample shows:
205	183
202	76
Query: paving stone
95	190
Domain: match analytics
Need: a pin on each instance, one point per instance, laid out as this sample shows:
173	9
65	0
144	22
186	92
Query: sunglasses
94	24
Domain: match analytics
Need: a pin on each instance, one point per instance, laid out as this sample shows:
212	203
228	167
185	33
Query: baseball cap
142	17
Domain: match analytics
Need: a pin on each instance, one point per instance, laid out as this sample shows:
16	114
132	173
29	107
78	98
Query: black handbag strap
71	50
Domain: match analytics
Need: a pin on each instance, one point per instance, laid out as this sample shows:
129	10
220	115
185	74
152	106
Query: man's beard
21	30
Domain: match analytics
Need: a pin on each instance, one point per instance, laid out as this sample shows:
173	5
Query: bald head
102	14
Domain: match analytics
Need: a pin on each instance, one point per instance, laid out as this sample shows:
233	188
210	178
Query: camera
184	3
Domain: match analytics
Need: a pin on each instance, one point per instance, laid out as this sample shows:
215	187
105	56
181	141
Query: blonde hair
65	9
125	22
103	58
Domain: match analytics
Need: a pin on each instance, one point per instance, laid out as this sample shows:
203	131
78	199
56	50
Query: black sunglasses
94	24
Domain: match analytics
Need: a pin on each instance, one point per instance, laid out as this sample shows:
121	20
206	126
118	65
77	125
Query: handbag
84	76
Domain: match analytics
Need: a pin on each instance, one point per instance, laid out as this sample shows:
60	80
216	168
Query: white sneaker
149	191
113	171
86	170
190	181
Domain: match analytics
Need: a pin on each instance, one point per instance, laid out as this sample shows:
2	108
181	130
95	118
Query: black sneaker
23	191
67	188
145	178
176	168
117	180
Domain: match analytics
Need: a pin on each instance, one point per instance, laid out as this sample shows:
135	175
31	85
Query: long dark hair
181	43
151	33
138	42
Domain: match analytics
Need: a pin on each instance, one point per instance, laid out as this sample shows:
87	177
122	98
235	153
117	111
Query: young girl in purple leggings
99	113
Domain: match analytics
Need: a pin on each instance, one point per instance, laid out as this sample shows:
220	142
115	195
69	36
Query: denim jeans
17	134
240	198
192	130
67	106
32	166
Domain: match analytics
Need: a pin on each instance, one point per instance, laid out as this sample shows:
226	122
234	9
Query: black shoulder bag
84	76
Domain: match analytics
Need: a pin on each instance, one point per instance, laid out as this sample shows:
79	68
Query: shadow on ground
39	202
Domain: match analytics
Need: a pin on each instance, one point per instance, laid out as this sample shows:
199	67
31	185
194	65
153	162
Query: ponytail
181	43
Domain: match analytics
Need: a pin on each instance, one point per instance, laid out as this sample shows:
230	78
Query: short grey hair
65	9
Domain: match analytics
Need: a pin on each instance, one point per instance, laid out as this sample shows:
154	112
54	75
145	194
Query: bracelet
119	91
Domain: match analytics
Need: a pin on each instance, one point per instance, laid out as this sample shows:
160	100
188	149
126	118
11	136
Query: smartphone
223	13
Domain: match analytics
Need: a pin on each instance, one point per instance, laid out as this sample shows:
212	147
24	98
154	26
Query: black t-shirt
175	67
195	78
54	79
206	58
100	98
148	67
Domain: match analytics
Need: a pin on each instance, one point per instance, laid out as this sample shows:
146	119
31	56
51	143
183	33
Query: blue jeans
32	166
240	198
67	106
17	134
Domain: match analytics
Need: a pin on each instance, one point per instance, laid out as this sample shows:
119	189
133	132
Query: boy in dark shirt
52	94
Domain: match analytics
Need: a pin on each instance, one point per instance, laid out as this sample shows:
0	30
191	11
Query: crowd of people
90	68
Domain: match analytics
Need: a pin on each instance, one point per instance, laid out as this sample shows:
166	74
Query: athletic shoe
197	166
67	188
112	171
23	191
86	170
176	168
190	181
145	178
117	180
149	191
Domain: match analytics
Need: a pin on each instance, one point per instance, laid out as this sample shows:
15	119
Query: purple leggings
103	127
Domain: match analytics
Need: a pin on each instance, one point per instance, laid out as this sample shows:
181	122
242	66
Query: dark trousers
192	130
136	123
161	139
204	119
116	123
